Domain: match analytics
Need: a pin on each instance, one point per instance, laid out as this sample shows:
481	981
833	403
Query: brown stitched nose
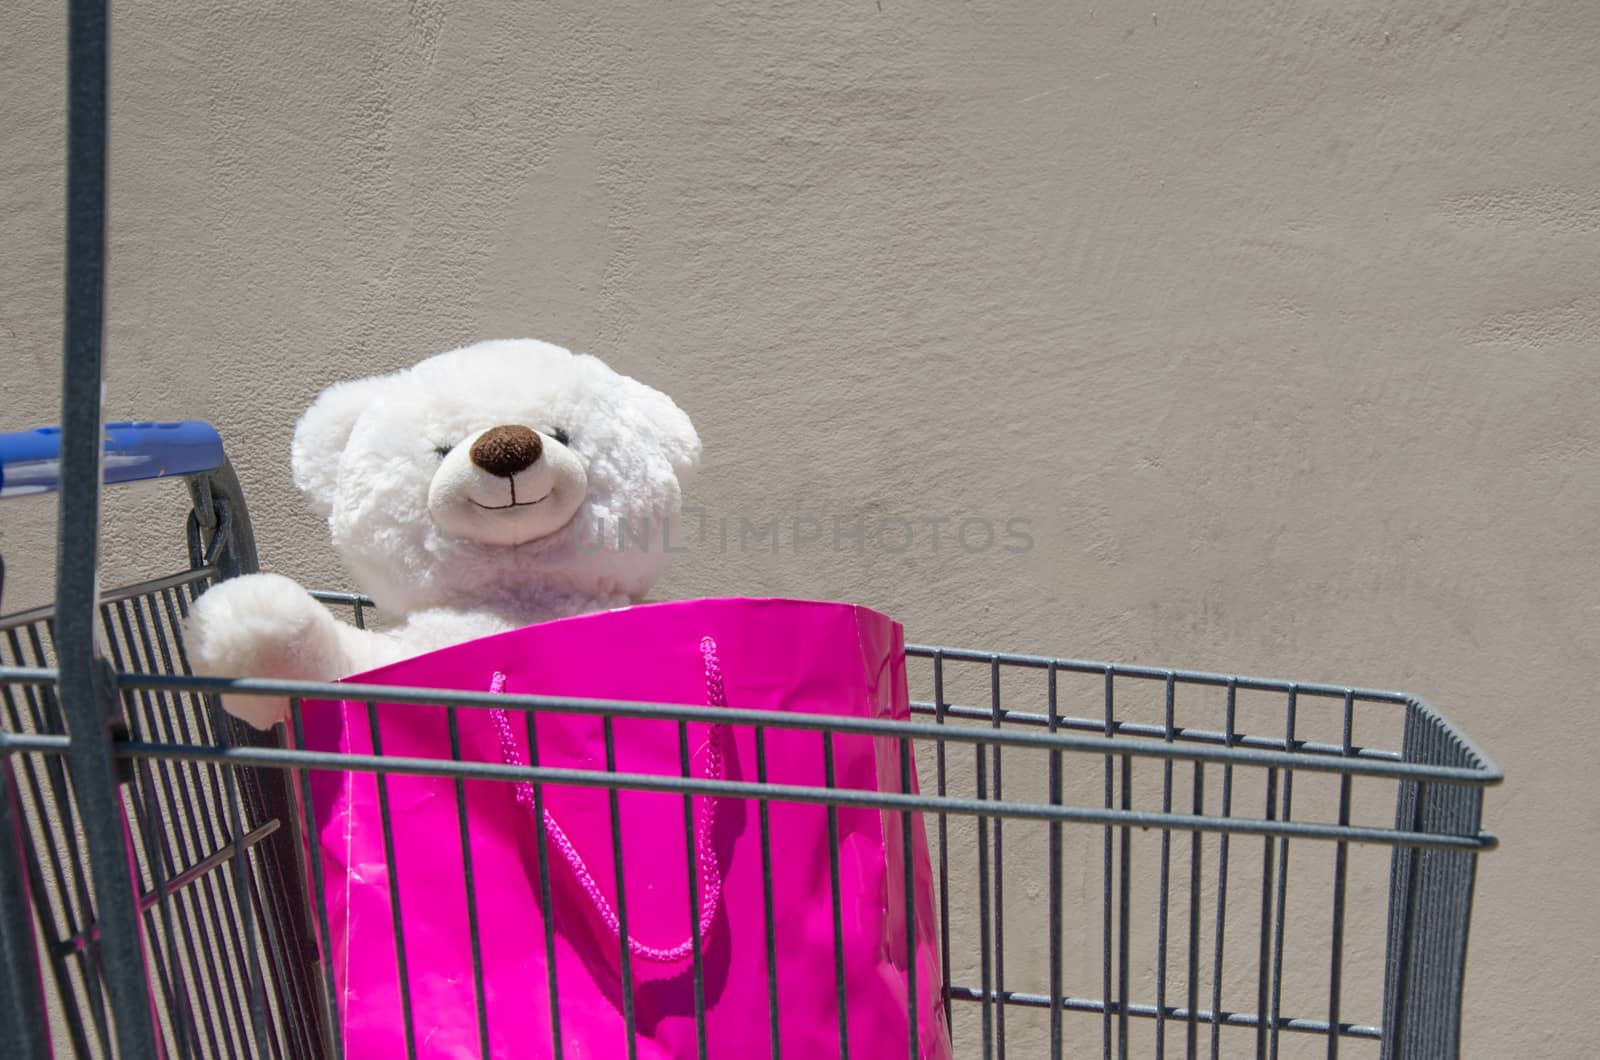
506	450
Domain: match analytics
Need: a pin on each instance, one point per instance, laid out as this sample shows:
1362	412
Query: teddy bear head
501	475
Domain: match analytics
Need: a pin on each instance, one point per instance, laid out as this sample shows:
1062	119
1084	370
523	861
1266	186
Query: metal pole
88	693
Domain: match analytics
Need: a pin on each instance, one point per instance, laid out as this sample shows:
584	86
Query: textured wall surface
1276	323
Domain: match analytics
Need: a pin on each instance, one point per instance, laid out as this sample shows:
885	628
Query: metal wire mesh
217	896
1129	861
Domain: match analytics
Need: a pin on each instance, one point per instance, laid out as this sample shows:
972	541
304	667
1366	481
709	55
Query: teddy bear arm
365	649
267	626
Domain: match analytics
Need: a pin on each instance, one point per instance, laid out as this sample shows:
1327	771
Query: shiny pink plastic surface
768	655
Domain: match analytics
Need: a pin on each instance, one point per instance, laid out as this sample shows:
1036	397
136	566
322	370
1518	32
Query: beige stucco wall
1280	324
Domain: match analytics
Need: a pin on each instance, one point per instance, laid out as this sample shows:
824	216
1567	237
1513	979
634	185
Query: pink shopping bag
399	896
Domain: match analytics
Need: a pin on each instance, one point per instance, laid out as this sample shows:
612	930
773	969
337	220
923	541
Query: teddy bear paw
266	626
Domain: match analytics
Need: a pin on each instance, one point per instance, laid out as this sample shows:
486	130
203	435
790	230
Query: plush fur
484	489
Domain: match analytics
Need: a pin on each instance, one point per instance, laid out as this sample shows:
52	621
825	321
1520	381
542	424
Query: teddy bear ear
670	425
321	434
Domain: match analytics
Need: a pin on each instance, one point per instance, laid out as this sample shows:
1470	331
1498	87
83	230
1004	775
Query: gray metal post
88	694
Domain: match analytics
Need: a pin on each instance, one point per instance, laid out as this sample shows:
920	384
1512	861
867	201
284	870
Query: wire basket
1140	861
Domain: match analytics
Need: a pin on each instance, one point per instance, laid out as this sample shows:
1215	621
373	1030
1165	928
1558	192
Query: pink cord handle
705	854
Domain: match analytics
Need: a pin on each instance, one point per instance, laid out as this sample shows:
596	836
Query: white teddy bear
482	490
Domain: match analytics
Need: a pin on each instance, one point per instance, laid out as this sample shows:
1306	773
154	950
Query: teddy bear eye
561	436
442	450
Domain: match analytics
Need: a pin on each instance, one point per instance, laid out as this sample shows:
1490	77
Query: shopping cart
1124	862
1130	861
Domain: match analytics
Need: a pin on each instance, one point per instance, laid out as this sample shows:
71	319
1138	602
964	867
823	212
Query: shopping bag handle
710	876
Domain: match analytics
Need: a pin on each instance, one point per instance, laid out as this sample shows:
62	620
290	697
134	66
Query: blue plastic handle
30	461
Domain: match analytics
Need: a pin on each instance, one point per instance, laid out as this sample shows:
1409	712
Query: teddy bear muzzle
507	485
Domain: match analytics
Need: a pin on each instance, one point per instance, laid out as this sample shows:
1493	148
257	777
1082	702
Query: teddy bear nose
506	450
